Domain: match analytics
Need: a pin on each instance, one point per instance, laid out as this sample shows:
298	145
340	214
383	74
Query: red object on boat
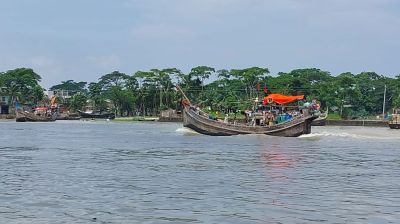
281	99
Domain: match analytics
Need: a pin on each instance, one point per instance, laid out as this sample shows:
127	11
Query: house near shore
5	105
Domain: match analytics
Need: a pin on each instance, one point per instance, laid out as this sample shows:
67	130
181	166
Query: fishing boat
24	116
321	119
96	115
200	122
41	113
394	122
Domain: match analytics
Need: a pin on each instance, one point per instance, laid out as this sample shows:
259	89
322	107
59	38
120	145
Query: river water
110	172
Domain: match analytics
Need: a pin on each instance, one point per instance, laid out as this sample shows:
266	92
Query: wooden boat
23	116
96	115
198	121
394	122
193	119
321	119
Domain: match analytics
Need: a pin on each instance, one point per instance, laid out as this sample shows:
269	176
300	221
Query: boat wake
345	135
184	130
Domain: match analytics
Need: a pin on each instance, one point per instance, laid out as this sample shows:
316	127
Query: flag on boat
266	89
281	99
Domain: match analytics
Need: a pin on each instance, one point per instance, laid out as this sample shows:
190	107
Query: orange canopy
281	99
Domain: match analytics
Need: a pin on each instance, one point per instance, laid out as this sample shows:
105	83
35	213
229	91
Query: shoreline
362	123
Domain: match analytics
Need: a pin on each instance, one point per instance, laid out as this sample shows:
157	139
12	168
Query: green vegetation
146	93
22	84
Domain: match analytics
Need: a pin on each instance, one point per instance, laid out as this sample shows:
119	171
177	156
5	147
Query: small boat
97	115
394	122
321	120
200	122
24	116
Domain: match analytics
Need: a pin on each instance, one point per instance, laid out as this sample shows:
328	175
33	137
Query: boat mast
384	102
184	95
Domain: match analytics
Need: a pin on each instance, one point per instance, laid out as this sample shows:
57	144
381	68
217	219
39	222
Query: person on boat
247	114
226	121
271	119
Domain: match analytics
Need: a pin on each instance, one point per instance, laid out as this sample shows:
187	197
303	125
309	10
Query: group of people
268	116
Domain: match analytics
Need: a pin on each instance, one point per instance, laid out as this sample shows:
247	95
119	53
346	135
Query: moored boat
40	114
24	116
200	122
96	115
394	122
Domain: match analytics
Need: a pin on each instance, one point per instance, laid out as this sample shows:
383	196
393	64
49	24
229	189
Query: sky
85	39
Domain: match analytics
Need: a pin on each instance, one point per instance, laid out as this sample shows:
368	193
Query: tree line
149	92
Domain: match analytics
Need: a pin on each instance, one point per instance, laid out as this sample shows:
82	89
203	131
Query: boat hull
23	116
203	125
319	122
97	116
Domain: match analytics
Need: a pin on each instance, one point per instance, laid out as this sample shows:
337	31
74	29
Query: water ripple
94	172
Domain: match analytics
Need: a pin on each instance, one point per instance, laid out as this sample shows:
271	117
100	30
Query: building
5	103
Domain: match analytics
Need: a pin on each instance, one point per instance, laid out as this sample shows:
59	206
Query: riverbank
367	123
7	117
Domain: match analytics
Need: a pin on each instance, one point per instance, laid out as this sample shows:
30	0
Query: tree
22	84
202	73
71	86
249	77
96	96
113	87
78	101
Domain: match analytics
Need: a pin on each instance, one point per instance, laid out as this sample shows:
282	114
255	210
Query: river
110	172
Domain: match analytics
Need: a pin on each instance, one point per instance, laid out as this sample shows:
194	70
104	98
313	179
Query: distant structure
65	95
5	103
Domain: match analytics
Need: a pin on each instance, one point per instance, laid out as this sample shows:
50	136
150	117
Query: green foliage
21	84
78	101
149	92
71	86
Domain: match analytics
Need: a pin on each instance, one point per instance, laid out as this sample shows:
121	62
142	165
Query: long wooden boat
394	122
193	119
198	121
394	125
94	115
23	116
